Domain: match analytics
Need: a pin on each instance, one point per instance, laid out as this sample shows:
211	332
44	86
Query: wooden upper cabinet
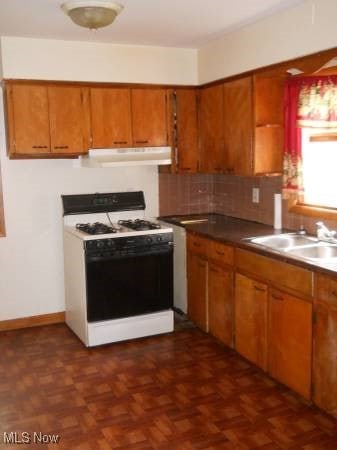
111	117
211	129
149	117
238	124
269	118
253	124
27	119
290	341
47	120
68	121
186	129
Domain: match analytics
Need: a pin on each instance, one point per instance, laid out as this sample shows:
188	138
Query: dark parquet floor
180	391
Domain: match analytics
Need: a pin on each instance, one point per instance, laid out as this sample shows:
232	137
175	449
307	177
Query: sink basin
283	241
317	252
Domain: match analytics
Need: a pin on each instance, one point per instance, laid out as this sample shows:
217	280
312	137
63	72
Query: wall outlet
256	195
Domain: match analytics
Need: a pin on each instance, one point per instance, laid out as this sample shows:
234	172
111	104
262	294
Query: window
319	163
310	158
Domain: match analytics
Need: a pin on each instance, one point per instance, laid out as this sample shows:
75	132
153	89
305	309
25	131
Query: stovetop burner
139	224
96	228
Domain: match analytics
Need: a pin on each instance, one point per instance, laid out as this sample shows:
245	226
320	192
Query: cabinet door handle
142	142
120	142
257	288
39	146
61	147
218	252
185	169
277	297
218	169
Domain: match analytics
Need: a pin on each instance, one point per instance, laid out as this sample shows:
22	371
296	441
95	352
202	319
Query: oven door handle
124	254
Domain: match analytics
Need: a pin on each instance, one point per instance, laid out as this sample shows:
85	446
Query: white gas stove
118	268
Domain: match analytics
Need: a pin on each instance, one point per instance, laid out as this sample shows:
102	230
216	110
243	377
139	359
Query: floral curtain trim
292	177
317	105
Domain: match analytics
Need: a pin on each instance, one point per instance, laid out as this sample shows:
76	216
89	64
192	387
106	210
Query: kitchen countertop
234	231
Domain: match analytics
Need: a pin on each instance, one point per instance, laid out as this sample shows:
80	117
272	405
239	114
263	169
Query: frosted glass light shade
92	14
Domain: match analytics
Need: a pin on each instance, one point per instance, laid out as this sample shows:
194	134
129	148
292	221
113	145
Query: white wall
304	29
45	59
31	255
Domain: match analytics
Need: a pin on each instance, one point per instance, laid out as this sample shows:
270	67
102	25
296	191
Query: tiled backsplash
230	195
185	194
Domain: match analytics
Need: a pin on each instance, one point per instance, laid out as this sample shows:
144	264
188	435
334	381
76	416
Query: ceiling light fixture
92	14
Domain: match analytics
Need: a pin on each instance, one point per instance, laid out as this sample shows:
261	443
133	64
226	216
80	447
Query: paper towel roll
277	211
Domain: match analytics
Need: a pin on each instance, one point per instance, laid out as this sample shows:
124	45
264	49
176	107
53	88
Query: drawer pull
120	142
277	297
142	142
61	147
40	146
257	288
220	253
196	244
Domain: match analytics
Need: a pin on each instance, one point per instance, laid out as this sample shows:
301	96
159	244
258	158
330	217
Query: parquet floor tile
180	391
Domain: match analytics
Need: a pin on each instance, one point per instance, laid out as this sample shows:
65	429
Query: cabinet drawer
197	244
221	253
278	272
326	289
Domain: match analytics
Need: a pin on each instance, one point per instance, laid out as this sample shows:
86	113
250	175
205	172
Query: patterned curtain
292	162
309	102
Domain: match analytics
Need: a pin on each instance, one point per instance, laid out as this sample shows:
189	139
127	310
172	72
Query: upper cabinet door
238	111
149	117
68	121
211	129
186	130
27	119
111	117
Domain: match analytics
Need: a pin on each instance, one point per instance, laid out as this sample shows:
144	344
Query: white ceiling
176	23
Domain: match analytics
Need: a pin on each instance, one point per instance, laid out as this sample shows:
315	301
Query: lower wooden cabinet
251	302
210	286
325	344
290	341
197	290
220	303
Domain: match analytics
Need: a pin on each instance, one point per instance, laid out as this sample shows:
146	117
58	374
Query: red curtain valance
308	102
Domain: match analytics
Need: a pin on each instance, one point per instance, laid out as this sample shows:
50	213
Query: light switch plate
256	195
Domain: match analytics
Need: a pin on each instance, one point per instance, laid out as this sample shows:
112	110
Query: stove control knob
100	244
109	243
149	240
159	238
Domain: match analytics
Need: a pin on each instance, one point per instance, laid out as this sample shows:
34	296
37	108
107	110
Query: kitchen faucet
324	234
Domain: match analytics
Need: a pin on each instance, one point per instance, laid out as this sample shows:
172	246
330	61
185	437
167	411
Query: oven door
129	285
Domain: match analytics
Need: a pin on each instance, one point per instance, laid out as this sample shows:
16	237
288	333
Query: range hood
117	157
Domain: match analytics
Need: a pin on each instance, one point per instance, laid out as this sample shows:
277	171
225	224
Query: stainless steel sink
318	252
283	241
306	247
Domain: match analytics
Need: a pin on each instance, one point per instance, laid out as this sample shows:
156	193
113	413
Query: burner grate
96	228
139	224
